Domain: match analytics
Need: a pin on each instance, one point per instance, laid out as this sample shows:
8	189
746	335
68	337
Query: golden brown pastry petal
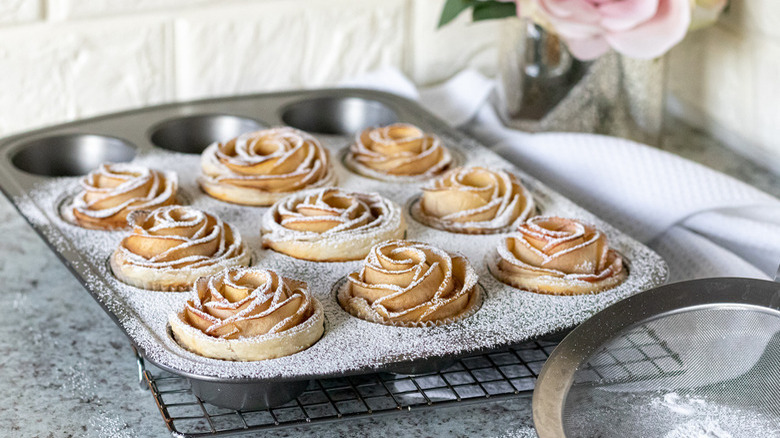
248	314
171	247
114	190
558	256
261	167
398	152
411	284
331	224
474	200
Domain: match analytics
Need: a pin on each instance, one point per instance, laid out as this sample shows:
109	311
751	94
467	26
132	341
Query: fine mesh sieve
693	359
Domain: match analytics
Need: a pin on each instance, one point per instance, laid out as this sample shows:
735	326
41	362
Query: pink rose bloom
636	28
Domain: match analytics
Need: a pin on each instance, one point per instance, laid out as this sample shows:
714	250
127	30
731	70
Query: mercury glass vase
542	87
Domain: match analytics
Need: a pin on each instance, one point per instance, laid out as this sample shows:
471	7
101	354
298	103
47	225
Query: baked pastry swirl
558	256
331	224
248	314
474	200
399	152
261	167
113	190
411	284
171	247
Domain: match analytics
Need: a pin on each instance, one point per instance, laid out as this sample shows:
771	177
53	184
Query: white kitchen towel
448	101
704	223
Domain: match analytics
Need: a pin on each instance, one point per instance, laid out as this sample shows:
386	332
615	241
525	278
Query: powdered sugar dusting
366	214
349	345
507	202
606	413
161	187
381	152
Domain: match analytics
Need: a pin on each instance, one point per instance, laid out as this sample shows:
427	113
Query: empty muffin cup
192	134
337	115
70	154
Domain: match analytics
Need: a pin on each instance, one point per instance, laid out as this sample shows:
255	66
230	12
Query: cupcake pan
38	168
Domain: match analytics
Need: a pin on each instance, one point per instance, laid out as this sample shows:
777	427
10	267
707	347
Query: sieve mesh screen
706	371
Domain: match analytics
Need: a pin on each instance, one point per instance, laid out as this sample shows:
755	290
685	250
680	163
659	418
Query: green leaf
452	9
488	10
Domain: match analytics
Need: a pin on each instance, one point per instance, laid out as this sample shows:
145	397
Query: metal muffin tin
35	165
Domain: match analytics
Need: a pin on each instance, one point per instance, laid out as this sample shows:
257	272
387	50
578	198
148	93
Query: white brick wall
74	9
52	73
20	11
66	59
285	44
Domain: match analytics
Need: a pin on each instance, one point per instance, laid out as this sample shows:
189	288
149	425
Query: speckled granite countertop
67	370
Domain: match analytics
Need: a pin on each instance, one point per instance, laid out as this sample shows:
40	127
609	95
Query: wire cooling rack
486	377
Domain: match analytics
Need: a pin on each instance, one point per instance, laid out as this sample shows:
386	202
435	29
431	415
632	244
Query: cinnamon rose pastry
113	190
248	314
171	247
411	284
331	224
262	167
398	152
553	255
474	200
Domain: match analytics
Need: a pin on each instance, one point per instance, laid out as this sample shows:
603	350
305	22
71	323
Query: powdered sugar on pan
349	345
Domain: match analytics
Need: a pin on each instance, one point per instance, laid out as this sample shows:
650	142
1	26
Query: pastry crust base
169	280
360	169
359	308
225	192
333	248
269	346
107	224
111	223
549	285
246	196
464	227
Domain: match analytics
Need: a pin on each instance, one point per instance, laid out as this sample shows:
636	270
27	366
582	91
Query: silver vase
542	87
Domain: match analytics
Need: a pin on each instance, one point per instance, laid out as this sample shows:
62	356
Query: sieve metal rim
557	375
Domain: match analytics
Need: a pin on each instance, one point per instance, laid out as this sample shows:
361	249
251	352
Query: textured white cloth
704	223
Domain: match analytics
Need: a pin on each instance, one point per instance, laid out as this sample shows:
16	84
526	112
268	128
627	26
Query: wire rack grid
493	376
474	379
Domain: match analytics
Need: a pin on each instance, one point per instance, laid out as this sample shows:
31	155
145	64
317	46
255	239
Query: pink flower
636	28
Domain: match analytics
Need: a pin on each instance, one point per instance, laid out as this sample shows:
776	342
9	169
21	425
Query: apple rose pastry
558	256
248	314
474	200
262	167
171	247
398	152
113	190
411	284
331	224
